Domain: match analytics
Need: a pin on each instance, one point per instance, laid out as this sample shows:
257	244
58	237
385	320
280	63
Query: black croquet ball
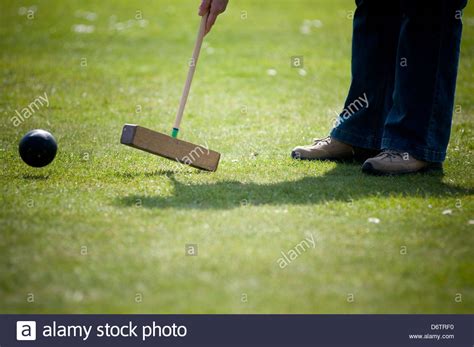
38	148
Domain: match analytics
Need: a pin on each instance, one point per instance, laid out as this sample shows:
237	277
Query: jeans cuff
356	140
419	152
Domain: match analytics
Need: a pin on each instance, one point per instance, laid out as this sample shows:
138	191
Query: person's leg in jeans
409	86
419	122
376	28
374	52
417	128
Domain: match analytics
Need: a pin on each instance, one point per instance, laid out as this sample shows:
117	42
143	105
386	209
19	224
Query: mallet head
168	147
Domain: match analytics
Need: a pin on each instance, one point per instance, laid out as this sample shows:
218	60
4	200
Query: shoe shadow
343	183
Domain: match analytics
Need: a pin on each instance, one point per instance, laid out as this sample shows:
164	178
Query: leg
374	51
419	122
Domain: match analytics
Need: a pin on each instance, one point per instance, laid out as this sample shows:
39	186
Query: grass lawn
104	228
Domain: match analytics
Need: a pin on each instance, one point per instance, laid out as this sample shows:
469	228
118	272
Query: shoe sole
368	168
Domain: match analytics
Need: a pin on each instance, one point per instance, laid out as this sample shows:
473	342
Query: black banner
237	330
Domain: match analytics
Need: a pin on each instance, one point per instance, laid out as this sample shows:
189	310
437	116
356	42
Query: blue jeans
405	56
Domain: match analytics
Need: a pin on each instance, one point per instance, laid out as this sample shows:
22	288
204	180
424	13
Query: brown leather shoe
331	149
391	162
324	149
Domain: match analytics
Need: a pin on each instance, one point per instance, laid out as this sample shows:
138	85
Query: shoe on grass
390	162
331	149
324	149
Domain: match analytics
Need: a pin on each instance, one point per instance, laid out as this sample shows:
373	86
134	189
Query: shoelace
326	140
391	154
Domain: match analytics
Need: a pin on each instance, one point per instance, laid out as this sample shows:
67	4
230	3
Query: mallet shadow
343	183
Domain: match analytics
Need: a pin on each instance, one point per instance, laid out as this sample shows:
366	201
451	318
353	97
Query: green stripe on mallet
174	133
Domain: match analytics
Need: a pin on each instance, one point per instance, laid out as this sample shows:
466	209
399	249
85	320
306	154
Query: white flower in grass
447	212
90	16
302	72
317	23
210	50
272	72
374	220
305	29
23	11
142	23
83	28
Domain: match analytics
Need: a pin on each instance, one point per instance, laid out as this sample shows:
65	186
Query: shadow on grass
343	183
160	172
34	177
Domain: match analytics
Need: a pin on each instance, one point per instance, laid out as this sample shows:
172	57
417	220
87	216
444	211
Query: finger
204	8
210	21
217	7
223	6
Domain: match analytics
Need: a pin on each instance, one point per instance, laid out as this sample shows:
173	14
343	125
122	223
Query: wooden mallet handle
189	79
